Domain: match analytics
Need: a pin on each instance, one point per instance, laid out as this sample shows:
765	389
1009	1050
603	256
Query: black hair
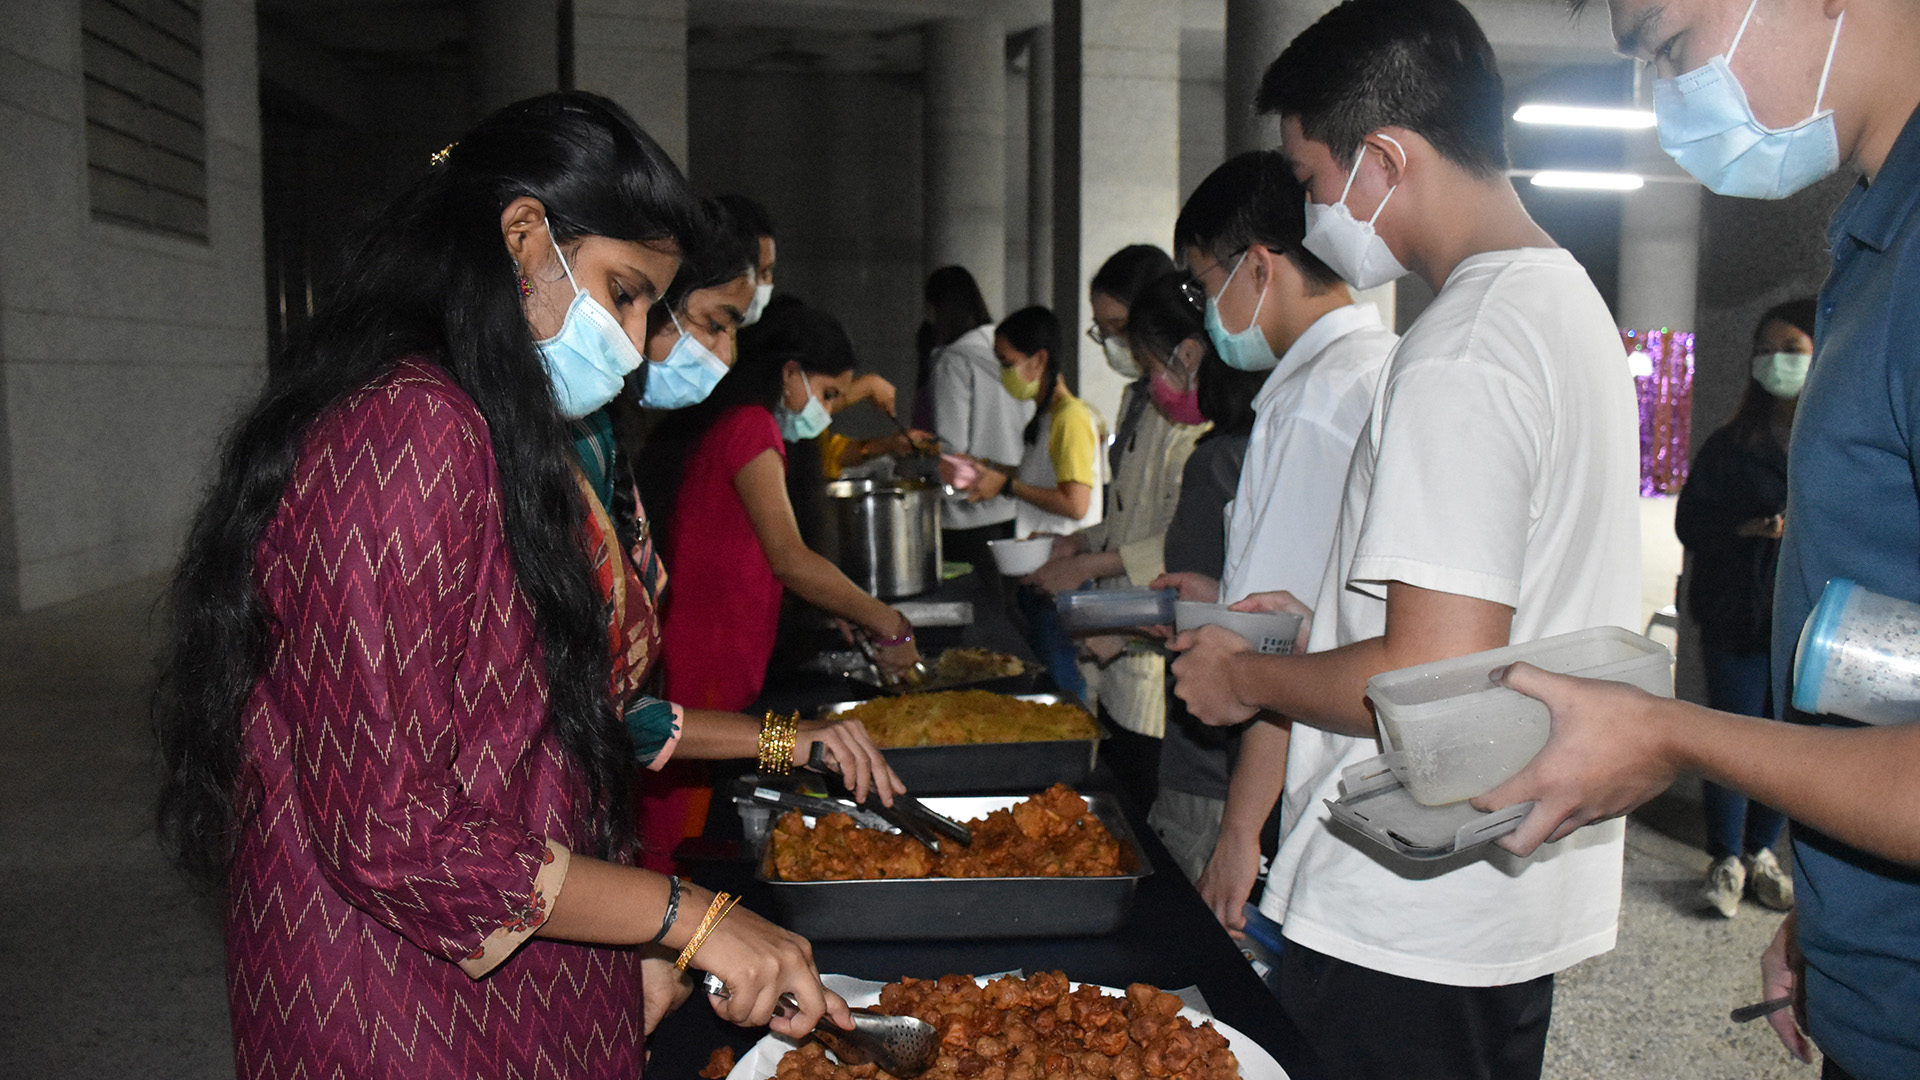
1226	395
750	213
1422	65
1162	317
1129	270
725	249
1252	198
1031	330
1752	422
790	332
955	304
430	278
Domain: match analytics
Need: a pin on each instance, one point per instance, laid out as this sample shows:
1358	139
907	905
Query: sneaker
1769	883
1724	884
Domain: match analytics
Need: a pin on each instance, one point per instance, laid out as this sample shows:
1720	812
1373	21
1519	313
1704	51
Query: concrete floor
110	965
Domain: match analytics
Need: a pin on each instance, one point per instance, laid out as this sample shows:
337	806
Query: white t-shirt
974	414
1501	463
1307	417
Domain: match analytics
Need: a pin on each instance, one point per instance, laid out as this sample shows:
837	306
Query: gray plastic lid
1379	807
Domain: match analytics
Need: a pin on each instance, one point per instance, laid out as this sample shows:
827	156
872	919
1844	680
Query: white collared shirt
1309	414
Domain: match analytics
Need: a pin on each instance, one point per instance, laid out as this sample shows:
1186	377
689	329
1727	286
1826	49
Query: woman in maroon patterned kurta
401	641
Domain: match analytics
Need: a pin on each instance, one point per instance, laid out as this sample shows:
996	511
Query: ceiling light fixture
1588	116
1588	181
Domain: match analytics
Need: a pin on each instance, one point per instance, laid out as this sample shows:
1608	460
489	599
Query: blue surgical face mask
1707	124
808	423
1247	350
686	376
591	356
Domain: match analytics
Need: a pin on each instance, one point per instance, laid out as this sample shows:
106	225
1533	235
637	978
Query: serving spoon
904	1046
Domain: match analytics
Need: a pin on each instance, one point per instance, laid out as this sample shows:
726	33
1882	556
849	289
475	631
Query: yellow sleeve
1074	445
833	448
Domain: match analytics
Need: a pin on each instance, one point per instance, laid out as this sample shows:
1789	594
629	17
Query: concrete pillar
515	47
1659	245
1116	167
635	52
966	165
124	353
1257	32
1040	70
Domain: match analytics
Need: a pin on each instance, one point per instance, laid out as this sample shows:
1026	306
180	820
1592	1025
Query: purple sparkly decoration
1662	362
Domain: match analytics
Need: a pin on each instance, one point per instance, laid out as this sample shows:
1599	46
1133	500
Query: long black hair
954	303
790	331
1752	423
430	277
1030	330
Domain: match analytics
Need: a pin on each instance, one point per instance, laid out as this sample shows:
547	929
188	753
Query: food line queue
421	611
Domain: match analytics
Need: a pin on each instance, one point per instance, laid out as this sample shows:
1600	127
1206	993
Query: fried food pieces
956	717
965	665
1036	1028
1052	834
719	1064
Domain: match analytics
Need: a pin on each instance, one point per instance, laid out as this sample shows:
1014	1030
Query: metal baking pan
929	909
850	665
972	768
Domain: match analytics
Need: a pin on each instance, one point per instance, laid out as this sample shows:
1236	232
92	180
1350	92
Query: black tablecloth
1171	940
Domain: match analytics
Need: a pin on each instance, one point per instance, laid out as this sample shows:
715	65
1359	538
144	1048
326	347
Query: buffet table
1171	940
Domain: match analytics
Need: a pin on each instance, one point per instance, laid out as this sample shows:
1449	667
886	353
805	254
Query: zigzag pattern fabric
406	810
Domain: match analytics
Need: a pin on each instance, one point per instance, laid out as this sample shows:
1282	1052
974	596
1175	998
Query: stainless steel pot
885	536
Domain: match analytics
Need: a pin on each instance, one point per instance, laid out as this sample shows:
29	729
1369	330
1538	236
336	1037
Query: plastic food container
1092	610
1018	558
1859	657
1270	632
1458	735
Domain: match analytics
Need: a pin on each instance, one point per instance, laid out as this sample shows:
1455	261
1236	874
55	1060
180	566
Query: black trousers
1830	1071
1367	1025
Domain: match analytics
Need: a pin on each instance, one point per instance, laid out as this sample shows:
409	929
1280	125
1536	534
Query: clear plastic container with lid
1092	610
1452	733
1859	657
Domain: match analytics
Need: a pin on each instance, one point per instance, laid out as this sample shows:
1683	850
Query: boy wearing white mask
1737	78
1491	499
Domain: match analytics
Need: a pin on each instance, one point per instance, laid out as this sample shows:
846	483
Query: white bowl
1018	558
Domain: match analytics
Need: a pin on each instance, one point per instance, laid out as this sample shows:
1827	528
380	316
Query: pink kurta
406	813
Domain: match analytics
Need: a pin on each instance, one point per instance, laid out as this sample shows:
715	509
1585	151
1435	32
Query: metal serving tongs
902	1045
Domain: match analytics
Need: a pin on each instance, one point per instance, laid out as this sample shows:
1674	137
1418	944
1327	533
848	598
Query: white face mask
1707	125
1348	245
1120	356
762	293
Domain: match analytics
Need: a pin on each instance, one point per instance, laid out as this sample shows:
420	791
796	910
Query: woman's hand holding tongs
844	746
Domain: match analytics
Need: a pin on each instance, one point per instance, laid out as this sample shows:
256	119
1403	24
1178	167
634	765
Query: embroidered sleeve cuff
523	920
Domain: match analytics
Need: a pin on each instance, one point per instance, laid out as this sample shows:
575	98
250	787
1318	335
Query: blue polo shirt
1853	511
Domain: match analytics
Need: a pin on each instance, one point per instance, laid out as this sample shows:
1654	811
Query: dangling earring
526	287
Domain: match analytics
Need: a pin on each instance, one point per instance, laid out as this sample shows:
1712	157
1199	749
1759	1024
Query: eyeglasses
1099	336
1196	293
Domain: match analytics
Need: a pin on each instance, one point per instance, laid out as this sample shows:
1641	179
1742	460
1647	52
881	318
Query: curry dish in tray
960	717
1052	834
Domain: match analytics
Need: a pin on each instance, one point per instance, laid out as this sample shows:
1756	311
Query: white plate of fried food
1248	1061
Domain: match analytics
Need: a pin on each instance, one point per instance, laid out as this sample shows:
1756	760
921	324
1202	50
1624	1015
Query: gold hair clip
440	156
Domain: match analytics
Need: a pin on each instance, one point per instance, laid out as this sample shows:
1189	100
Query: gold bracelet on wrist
778	734
722	904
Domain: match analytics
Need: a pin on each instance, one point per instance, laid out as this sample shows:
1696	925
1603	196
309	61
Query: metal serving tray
928	909
972	768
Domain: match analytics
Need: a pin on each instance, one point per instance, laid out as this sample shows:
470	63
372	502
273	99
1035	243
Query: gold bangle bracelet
778	734
722	904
